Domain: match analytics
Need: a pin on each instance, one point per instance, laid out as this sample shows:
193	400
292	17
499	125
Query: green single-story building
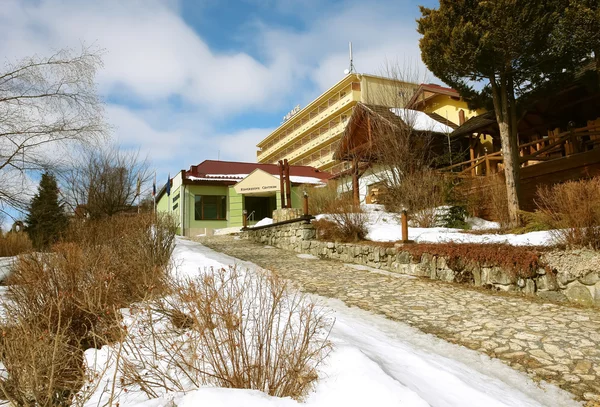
214	194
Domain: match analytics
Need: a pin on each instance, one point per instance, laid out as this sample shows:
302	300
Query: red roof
212	168
437	88
430	87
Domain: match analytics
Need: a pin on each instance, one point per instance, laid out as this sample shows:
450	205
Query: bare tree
397	147
45	102
105	181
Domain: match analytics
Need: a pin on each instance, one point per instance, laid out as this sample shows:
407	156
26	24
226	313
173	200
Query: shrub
454	217
72	295
484	197
420	193
345	222
231	329
41	367
322	198
573	209
523	261
14	243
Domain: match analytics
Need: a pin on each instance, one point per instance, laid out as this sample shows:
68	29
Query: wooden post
404	226
575	143
281	184
355	184
244	219
472	155
288	183
488	169
305	206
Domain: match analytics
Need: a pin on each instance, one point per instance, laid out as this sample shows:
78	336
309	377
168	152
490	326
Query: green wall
235	206
190	191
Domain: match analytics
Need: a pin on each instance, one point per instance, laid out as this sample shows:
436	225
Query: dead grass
229	329
573	210
14	243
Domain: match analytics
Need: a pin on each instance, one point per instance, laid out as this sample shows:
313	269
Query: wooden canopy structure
558	136
364	139
361	139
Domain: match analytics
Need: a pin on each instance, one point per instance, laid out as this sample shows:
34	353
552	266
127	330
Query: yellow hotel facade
310	136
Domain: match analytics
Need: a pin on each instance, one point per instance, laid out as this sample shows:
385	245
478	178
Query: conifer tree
497	50
46	220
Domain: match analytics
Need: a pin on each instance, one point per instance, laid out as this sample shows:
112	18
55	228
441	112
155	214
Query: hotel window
210	207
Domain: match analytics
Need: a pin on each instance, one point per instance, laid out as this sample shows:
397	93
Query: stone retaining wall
576	283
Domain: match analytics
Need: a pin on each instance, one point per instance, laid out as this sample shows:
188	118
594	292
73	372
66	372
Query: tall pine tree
46	220
498	50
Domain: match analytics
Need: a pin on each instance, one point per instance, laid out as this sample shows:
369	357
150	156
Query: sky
189	80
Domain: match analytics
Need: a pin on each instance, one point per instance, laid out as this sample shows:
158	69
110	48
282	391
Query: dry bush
40	367
486	197
72	295
228	328
420	193
522	261
72	290
14	243
573	209
345	222
321	198
141	247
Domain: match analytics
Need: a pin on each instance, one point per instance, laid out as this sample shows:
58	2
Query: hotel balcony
317	116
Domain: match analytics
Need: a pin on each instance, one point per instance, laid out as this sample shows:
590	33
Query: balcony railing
342	102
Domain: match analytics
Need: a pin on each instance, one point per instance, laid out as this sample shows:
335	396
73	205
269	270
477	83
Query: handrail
555	142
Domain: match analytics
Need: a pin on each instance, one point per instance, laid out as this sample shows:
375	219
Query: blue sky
184	80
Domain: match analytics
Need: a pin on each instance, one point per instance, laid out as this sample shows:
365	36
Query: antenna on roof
351	69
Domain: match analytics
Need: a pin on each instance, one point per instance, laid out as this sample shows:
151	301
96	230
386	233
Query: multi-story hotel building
310	135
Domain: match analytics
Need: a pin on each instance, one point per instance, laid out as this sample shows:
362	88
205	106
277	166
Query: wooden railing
556	145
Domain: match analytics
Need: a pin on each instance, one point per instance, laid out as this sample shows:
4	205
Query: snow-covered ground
375	362
385	227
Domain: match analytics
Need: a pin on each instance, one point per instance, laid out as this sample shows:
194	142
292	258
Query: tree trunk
506	117
355	185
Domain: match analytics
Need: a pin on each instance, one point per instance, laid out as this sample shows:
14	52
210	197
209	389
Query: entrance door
259	207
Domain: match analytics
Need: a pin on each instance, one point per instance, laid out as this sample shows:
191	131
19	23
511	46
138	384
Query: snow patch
263	222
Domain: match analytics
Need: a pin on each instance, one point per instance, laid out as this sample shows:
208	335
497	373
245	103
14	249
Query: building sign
257	182
291	114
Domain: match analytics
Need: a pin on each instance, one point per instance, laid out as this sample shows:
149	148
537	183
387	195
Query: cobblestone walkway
557	343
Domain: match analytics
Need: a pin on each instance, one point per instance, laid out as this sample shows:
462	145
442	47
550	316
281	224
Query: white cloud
151	53
153	57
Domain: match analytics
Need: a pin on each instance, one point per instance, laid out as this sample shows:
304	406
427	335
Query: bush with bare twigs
486	197
72	296
420	193
14	243
228	328
573	210
345	222
322	198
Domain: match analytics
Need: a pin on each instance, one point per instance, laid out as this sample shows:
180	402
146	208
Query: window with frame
210	207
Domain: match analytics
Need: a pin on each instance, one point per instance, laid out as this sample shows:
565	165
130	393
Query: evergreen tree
579	28
46	220
497	50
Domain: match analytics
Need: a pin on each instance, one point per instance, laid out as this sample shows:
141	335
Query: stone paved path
557	343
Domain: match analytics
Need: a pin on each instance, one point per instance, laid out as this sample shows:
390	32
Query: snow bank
385	227
375	361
